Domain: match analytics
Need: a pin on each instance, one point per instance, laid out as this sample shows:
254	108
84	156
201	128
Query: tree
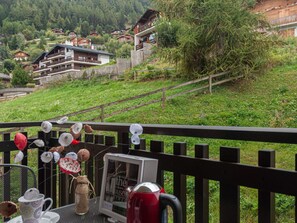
4	52
9	65
112	45
85	29
124	51
20	77
214	36
42	43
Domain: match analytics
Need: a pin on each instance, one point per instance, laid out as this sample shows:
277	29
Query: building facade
66	58
21	56
144	29
281	14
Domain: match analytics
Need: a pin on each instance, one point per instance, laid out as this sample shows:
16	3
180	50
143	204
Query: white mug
31	210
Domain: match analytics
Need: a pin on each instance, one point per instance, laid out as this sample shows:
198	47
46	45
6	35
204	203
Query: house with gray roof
64	58
4	78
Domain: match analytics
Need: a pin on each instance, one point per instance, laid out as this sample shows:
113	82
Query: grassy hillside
269	100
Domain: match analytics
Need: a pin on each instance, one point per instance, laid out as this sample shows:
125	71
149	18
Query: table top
68	215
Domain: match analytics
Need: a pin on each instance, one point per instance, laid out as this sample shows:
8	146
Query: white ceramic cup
31	210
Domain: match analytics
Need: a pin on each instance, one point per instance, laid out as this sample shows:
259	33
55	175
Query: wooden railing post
266	199
180	180
229	193
210	83
201	189
158	147
123	142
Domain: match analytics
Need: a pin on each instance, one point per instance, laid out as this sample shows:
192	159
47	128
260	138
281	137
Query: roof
80	49
40	57
146	16
20	51
4	76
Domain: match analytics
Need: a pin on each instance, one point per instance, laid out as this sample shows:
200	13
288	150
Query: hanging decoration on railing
88	128
46	157
20	140
69	166
71	155
38	142
65	139
62	120
136	130
19	157
46	126
56	156
83	155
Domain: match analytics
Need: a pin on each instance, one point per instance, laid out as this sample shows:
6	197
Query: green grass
268	100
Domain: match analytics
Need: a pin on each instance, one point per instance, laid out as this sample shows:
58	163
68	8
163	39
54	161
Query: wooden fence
227	171
167	93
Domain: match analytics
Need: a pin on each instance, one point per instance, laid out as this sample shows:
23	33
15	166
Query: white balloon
19	157
46	126
135	139
38	142
65	139
56	156
136	129
46	157
62	120
31	194
71	155
77	127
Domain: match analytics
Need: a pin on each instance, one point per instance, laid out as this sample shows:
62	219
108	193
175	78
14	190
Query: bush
30	85
20	77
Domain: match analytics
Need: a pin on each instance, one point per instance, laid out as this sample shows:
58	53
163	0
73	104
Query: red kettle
147	204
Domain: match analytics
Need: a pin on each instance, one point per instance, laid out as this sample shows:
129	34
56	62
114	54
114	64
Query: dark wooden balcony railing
227	171
284	20
56	54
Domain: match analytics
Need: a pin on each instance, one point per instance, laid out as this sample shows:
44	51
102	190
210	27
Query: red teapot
147	203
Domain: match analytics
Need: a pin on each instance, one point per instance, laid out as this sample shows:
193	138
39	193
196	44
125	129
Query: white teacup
31	210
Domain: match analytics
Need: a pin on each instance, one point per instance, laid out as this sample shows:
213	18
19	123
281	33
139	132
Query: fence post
229	193
163	97
266	199
210	83
102	113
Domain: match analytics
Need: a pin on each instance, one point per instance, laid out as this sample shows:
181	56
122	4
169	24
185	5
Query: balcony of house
185	167
284	21
41	69
56	55
89	61
60	62
61	70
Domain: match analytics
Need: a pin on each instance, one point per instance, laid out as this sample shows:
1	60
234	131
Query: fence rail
167	93
228	171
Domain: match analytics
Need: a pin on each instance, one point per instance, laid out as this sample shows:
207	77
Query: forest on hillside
30	16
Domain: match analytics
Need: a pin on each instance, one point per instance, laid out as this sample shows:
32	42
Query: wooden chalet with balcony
144	29
21	56
66	58
281	14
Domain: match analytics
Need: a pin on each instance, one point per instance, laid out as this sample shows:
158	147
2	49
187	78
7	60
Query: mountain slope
69	14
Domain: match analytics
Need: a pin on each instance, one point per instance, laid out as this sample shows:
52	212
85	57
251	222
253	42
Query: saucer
49	217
